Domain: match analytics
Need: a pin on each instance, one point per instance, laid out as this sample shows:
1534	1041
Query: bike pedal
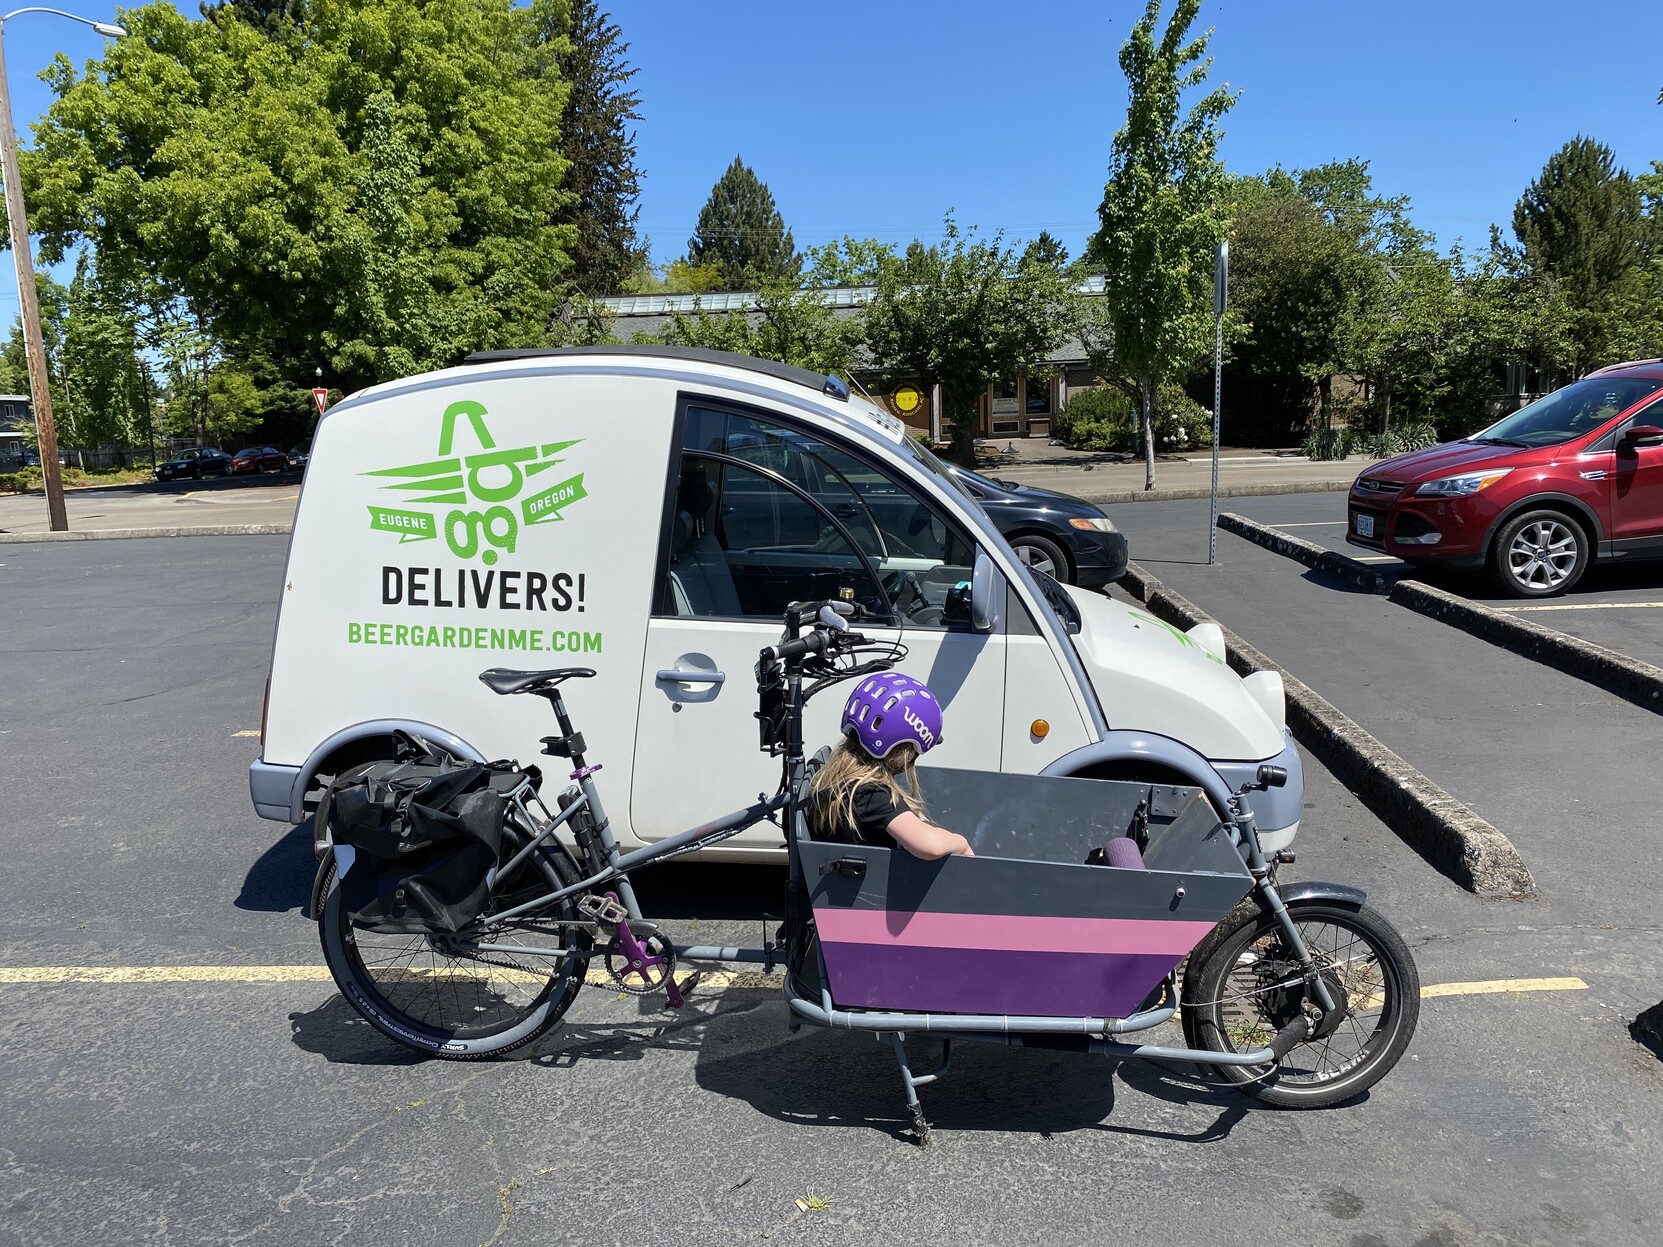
686	986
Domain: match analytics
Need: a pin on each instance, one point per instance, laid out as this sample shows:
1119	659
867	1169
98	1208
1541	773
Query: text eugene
465	587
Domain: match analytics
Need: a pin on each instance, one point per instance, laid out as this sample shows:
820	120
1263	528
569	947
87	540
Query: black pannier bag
424	839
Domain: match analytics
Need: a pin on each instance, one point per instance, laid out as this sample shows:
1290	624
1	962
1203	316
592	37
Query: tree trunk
961	412
1325	399
1386	397
1146	393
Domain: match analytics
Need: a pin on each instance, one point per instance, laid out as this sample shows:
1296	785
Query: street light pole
34	345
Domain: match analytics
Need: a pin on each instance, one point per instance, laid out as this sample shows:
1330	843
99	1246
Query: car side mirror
983	580
1638	435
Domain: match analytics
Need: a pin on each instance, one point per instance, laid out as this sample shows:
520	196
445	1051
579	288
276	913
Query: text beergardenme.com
419	636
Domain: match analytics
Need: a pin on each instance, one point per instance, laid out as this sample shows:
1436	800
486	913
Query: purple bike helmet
889	710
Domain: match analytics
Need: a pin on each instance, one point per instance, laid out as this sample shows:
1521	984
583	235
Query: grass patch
28	480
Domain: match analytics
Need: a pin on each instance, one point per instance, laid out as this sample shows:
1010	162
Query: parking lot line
1579	606
1313	524
716	980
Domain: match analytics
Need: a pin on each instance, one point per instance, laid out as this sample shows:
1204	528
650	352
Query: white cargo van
649	512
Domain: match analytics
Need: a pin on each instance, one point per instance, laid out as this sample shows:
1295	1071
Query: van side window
767	514
743	545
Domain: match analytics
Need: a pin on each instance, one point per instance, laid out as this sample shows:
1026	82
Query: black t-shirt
875	806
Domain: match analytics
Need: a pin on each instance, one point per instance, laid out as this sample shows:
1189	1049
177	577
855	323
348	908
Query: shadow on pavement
282	877
335	1032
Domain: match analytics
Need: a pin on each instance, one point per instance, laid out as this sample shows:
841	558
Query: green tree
375	195
602	184
963	315
741	231
1583	223
1163	212
786	324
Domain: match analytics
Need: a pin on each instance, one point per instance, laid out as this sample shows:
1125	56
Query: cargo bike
460	913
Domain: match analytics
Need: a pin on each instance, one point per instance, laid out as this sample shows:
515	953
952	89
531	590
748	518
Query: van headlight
1266	688
1463	486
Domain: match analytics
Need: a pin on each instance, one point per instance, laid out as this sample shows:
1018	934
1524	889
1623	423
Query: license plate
1365	525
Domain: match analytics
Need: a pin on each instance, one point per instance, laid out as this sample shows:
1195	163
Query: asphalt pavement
182	1111
1619	607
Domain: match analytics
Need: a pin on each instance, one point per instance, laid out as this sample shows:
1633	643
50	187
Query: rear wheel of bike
434	994
1243	985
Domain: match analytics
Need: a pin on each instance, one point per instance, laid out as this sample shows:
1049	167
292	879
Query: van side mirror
1638	435
983	581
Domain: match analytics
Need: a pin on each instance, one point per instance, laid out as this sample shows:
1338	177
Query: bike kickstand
920	1125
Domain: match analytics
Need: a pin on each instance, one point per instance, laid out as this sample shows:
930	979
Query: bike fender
1316	890
326	865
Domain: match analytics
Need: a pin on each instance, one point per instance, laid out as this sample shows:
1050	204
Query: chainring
637	982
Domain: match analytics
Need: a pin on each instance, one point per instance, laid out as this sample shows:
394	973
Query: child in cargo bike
867	792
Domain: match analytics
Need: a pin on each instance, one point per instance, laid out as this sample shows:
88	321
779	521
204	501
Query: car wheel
1043	555
1538	554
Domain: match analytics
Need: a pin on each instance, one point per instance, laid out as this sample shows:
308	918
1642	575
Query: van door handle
678	675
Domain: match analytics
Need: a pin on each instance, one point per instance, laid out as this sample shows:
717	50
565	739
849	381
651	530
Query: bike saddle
500	680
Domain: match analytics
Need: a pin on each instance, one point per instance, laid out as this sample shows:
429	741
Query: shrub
18	482
1105	418
1321	444
1396	441
1097	419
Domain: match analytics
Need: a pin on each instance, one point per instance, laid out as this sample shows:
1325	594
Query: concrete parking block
1306	552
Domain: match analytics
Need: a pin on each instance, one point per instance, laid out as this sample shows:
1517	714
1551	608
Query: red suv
1575	476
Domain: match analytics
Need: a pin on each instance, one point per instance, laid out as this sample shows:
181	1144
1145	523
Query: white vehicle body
647	513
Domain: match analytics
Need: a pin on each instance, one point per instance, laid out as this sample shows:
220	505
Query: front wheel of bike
454	1000
1243	986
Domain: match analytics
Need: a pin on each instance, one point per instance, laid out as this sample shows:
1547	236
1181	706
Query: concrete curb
123	534
1313	556
1449	836
1185	495
1629	678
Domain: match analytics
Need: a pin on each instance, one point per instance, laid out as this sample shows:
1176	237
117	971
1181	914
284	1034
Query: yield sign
320	397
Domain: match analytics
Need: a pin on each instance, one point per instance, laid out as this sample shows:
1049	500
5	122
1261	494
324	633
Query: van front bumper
272	789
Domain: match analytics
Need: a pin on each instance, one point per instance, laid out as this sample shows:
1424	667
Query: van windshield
1568	413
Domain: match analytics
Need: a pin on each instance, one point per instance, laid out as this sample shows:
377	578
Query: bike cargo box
1025	926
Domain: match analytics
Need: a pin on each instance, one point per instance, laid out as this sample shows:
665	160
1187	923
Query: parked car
195	463
1058	534
259	459
299	455
1573	478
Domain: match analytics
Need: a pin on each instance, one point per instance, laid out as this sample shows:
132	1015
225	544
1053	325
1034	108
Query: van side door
767	511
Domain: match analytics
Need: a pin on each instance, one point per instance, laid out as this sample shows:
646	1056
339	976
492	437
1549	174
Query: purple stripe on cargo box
996	932
955	980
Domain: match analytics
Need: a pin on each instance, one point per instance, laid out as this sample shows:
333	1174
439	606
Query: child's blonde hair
832	791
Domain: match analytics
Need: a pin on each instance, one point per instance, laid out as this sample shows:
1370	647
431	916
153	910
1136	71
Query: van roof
820	383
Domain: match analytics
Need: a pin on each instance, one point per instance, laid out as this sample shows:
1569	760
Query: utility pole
34	345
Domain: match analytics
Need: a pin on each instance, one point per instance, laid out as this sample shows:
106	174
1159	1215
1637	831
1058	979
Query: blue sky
875	118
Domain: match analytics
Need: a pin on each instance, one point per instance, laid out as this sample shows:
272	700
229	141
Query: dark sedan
195	463
1058	534
260	459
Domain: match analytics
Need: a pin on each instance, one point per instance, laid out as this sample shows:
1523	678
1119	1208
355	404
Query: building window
1037	396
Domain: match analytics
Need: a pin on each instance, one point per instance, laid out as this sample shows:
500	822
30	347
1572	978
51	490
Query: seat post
559	705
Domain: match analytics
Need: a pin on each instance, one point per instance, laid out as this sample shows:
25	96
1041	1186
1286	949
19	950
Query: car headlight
1463	486
1092	523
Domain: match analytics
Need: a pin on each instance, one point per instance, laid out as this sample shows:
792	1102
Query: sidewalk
1096	478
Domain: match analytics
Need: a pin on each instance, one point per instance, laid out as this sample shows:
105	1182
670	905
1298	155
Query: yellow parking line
1579	606
1496	987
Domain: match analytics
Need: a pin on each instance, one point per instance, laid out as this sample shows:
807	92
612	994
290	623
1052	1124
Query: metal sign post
1221	296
